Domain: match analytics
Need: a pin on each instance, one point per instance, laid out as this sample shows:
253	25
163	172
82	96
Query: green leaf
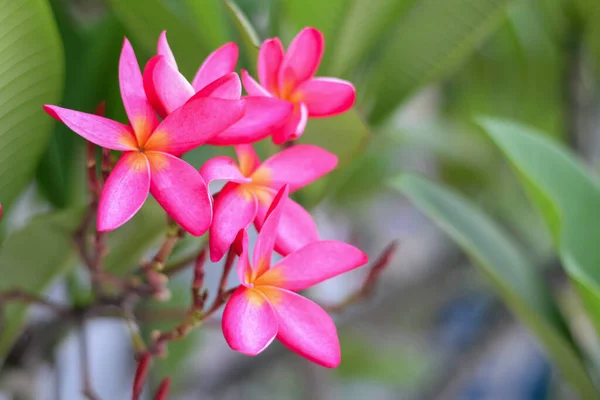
431	39
362	31
513	277
209	16
246	32
144	20
30	260
131	242
92	60
567	196
31	74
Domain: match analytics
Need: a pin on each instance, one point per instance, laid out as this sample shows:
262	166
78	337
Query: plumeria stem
174	234
173	268
196	314
366	289
28	298
163	389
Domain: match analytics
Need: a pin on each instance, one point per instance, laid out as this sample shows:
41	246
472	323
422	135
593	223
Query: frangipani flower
151	149
167	90
265	306
290	76
251	189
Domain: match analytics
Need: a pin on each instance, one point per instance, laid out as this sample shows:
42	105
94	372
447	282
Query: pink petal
263	116
181	191
301	60
226	87
313	264
193	124
270	57
249	322
124	192
304	327
166	88
325	97
247	157
294	127
140	112
252	87
220	62
99	130
265	242
234	210
222	168
163	49
298	166
296	227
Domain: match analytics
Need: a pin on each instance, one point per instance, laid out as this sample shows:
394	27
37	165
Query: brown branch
174	234
366	290
21	296
196	314
175	267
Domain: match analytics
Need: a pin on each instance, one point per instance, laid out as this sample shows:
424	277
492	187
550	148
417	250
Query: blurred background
425	70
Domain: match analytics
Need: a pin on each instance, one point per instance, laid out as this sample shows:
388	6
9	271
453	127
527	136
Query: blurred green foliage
519	60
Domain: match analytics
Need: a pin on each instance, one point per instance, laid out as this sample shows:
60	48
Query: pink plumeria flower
290	76
150	160
251	189
167	90
265	306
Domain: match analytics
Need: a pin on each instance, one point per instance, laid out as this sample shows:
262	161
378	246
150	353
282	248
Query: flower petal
193	124
163	49
304	327
325	97
247	157
252	87
263	116
313	264
294	127
234	210
297	166
222	168
181	191
140	112
165	87
301	60
226	87
296	227
270	57
99	130
265	242
125	191
249	322
220	62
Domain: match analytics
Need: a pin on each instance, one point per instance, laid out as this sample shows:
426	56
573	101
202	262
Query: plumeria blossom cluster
169	116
